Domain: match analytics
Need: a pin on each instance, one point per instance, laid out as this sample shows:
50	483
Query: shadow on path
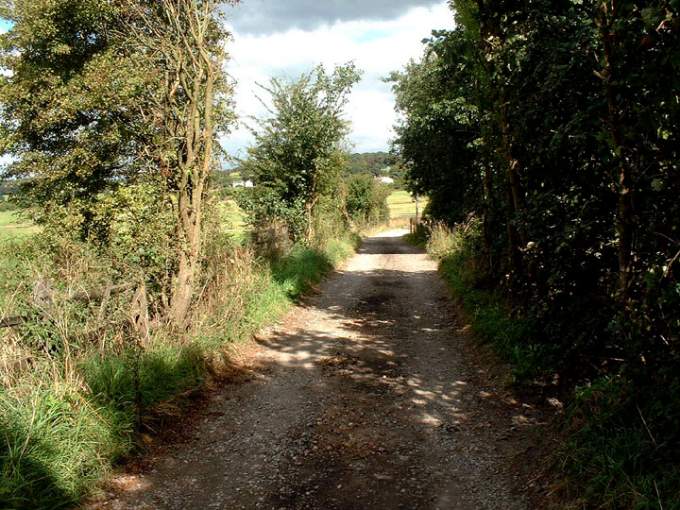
368	397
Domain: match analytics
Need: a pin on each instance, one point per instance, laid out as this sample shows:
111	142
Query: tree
69	100
298	150
104	95
437	139
366	201
183	40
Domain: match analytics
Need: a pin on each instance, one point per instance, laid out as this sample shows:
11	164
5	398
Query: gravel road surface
367	396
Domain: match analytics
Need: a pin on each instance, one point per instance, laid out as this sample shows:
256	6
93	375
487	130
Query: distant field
14	227
13	267
402	205
232	217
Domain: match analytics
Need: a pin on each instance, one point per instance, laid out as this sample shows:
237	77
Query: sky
285	39
274	38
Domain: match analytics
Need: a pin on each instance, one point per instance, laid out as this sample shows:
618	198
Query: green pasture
232	218
402	205
13	226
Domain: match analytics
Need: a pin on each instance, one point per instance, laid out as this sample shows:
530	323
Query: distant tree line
370	162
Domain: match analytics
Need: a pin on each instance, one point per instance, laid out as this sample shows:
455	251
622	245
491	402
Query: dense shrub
622	441
557	125
366	200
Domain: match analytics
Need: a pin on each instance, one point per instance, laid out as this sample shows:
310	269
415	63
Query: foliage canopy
557	126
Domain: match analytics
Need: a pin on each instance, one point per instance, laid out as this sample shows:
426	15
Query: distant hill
378	164
371	163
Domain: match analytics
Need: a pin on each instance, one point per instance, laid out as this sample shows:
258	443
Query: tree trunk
486	219
625	222
185	39
197	72
188	260
514	181
183	290
517	235
309	213
515	254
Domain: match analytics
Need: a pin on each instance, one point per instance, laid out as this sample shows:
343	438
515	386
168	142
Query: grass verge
485	309
66	419
491	322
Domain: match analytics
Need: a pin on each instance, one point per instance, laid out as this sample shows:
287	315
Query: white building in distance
385	180
243	184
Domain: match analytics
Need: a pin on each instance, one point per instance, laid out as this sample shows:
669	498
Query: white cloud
377	48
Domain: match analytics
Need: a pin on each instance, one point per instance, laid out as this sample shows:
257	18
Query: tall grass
72	388
56	443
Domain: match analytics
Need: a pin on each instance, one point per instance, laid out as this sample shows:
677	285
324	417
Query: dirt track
368	397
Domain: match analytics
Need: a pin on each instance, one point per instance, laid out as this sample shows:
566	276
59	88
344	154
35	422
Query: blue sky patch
5	25
373	35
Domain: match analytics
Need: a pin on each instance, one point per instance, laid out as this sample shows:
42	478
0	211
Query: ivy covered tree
183	41
298	152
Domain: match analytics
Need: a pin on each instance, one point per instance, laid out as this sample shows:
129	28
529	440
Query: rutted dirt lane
368	398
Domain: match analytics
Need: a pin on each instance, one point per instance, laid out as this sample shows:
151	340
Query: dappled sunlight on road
362	398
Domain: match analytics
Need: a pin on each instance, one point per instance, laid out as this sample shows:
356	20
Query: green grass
16	249
65	424
15	257
232	218
402	205
292	276
622	449
488	312
54	443
12	226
